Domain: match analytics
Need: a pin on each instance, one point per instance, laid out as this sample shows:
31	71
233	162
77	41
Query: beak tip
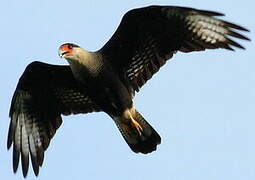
60	53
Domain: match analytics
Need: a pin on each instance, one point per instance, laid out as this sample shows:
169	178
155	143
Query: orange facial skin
66	49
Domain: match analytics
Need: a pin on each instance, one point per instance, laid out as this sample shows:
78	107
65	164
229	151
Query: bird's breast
103	85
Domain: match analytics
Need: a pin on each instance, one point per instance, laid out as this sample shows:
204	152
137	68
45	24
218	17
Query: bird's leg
135	124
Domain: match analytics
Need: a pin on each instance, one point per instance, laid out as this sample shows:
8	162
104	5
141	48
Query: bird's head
68	51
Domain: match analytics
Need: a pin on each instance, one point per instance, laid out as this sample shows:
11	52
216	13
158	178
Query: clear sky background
202	104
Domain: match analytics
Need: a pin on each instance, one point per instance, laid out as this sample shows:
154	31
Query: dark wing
147	37
43	93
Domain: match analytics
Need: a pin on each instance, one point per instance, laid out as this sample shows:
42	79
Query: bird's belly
108	92
112	99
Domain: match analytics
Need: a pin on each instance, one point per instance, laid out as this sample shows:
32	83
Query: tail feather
137	132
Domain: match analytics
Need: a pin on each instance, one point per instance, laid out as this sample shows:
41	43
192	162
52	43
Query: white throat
83	62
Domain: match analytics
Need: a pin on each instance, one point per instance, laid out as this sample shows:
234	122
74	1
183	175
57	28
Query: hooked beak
62	53
65	50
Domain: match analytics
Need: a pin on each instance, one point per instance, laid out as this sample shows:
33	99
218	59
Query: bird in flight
106	80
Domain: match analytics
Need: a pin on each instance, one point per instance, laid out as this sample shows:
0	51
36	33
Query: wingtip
235	26
242	28
25	165
15	159
9	144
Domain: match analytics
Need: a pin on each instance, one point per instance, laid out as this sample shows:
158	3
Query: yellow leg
136	124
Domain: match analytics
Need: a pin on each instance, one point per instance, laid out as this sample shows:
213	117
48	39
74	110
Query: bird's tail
137	132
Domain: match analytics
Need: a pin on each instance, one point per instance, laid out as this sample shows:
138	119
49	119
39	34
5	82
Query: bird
107	80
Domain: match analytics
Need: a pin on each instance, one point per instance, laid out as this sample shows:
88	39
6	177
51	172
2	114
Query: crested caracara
106	80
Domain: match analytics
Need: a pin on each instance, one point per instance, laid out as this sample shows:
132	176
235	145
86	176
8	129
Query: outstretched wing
43	93
147	37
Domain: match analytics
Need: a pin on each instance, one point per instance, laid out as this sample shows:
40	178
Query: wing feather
33	154
147	37
43	93
24	149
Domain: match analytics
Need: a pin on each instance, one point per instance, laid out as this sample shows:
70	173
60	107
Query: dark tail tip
138	133
147	145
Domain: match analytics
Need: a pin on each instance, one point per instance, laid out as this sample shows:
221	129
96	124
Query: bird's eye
70	46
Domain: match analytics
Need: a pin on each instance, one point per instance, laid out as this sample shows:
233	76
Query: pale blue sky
202	104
